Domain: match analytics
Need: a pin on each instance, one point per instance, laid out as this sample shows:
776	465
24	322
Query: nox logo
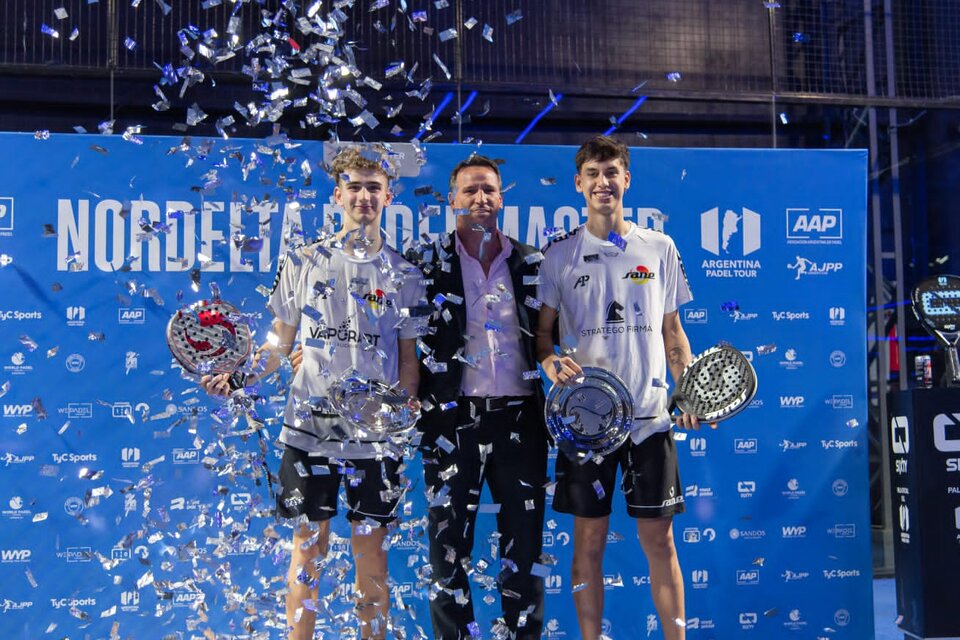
791	402
748	576
793	531
716	236
15	555
900	435
581	281
695	316
131	315
823	227
17	410
946	433
745	445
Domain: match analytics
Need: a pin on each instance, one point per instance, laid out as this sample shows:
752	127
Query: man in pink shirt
483	410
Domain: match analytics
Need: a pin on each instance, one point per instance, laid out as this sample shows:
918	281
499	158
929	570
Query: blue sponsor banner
121	500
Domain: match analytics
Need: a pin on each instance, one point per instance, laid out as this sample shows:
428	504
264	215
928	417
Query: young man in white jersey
344	295
616	289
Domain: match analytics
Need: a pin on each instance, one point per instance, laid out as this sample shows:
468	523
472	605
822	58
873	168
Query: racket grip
237	381
673	404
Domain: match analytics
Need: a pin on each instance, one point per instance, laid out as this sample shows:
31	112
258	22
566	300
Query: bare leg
373	594
302	579
589	543
666	581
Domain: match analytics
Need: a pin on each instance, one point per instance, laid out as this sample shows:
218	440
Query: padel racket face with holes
209	337
936	303
718	384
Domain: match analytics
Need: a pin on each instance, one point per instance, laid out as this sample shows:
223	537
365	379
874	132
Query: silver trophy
592	416
373	406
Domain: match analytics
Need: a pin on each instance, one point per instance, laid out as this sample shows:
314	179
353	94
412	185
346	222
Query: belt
495	403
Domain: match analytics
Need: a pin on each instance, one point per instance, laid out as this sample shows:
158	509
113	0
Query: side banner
124	511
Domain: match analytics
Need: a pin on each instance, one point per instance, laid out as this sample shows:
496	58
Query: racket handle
237	381
673	404
953	366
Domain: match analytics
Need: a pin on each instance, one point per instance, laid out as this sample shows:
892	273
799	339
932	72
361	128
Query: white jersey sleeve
284	300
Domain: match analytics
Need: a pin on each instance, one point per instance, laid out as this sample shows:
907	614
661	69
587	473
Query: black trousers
506	448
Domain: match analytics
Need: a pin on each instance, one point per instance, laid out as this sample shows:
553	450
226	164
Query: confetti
674	76
617	240
514	16
766	349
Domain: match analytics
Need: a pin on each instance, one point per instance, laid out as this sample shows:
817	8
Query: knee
658	545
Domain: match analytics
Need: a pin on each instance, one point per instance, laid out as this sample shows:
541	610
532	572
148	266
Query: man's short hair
371	157
475	160
601	149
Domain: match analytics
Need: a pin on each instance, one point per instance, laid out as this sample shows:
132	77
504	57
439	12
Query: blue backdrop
127	505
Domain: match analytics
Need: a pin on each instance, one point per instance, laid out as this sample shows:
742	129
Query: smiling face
363	193
477	192
603	183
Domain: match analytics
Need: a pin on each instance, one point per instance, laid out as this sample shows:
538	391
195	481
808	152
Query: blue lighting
542	113
436	112
626	114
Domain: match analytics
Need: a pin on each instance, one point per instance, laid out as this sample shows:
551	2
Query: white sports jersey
347	310
611	305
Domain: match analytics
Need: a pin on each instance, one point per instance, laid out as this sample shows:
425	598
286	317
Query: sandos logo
717	236
825	226
640	275
946	433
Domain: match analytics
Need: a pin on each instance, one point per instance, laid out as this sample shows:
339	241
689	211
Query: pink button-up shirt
494	344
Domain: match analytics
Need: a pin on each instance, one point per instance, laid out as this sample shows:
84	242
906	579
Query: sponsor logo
6	216
695	316
790	445
16	510
130	600
17	410
739	316
793	531
75	363
824	226
640	275
552	629
641	581
76	554
120	553
693	535
696	491
10	458
700	579
239	500
839	444
840	487
794	621
60	603
15	555
614	313
130	457
843	531
745	445
78	410
840	401
792	402
838	358
838	316
793	490
748	576
946	433
187	598
700	623
562	538
736	234
794	576
806	267
76	316
73	458
20	315
553	584
747	534
14	605
186	456
581	281
900	435
789	316
746	488
841	617
73	506
605	626
17	366
131	315
790	360
5	260
840	574
747	619
698	447
904	520
182	504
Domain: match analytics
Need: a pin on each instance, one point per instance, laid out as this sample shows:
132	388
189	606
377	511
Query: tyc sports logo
823	226
731	238
640	275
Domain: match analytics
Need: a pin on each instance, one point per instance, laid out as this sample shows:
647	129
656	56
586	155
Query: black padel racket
936	303
210	337
716	385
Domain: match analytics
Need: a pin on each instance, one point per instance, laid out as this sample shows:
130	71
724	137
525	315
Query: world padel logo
731	238
639	275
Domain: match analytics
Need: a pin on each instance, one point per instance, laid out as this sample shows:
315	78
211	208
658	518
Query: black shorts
650	481
311	488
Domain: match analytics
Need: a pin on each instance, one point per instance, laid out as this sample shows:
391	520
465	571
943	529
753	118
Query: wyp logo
825	226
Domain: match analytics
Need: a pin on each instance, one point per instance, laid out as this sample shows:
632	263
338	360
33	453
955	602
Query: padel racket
210	337
936	303
716	385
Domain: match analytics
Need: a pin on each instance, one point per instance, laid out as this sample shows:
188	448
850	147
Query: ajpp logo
721	236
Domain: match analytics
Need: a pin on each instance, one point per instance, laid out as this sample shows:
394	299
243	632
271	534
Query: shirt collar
505	245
